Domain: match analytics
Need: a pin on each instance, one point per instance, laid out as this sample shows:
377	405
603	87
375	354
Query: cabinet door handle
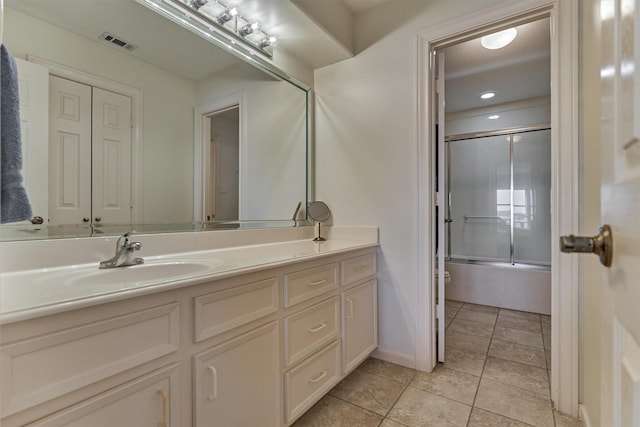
317	328
317	282
213	392
349	302
318	378
165	408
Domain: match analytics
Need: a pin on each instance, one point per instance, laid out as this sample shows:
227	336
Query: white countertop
26	294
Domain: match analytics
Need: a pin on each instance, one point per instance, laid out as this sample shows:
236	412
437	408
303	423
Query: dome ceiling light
499	40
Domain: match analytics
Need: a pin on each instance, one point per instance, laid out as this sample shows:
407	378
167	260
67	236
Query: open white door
442	210
620	195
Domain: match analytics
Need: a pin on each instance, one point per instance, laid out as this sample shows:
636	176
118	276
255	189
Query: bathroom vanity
254	339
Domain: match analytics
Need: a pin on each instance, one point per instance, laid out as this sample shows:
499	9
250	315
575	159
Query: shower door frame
566	181
486	134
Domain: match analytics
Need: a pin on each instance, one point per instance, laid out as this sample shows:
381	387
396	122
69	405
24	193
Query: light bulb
249	28
268	41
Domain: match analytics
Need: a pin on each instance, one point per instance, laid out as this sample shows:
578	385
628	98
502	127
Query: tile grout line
484	365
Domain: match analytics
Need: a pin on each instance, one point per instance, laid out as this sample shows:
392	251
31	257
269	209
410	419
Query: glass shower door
480	198
532	197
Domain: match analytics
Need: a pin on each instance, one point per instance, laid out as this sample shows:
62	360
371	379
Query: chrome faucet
124	253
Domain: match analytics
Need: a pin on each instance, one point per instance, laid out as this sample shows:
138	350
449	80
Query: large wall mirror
128	118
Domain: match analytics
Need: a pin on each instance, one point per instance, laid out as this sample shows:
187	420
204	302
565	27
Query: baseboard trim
393	357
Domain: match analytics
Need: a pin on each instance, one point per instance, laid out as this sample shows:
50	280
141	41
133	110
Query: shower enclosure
499	196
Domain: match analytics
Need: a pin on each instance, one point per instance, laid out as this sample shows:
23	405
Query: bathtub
517	287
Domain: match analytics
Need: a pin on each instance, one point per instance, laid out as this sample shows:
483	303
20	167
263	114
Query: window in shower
499	197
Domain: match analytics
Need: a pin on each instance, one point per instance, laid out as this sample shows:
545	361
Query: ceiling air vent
117	41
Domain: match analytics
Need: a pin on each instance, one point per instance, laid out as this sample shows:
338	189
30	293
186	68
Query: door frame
565	180
137	103
201	152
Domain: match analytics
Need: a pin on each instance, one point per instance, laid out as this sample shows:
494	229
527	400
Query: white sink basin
37	288
149	271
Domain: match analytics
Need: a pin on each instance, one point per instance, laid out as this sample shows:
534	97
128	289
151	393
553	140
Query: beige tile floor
496	374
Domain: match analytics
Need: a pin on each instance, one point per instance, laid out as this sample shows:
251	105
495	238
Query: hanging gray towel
14	203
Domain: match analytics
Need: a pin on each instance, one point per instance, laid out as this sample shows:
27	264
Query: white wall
522	113
366	150
168	108
275	135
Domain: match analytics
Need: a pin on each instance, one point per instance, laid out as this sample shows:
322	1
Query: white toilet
447	277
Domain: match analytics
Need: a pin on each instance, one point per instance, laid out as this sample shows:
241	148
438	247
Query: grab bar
466	217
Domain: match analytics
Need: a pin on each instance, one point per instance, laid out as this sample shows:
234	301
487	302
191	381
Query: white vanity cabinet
237	383
93	366
255	348
359	309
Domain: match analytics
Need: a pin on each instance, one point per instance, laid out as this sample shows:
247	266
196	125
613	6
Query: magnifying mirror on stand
319	212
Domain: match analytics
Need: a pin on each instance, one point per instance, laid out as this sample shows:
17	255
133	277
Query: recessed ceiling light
499	40
494	117
487	95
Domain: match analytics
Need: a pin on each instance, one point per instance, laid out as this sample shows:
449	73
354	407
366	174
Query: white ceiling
515	72
174	48
520	70
357	6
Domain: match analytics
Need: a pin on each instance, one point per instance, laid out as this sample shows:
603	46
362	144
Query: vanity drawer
309	381
49	366
310	329
305	284
222	311
358	268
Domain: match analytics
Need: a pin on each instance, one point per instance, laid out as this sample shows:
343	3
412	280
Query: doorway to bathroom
494	173
560	103
222	165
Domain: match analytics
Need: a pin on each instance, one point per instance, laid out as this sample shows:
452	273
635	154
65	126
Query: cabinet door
236	384
150	400
360	323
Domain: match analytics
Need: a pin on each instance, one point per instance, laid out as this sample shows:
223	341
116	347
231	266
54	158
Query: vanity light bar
174	11
230	21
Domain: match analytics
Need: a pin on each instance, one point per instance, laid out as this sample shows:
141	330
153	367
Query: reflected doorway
222	165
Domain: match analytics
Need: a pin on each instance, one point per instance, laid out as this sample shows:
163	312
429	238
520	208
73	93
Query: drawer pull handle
349	302
362	267
317	282
318	378
165	407
320	327
213	393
